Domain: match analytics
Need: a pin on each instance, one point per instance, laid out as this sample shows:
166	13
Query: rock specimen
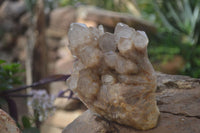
112	74
178	101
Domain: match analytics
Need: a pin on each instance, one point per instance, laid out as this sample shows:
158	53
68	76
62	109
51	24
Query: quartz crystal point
112	74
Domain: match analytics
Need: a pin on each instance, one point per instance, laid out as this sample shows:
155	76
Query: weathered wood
110	18
40	57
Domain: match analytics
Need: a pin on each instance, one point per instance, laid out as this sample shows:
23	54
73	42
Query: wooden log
110	18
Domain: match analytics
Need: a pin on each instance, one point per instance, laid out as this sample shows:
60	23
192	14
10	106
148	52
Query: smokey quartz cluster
112	74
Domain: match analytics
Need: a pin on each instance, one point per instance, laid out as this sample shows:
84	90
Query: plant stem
53	78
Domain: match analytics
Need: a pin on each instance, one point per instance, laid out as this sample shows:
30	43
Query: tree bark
40	58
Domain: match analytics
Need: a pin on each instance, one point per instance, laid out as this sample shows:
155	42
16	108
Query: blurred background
33	38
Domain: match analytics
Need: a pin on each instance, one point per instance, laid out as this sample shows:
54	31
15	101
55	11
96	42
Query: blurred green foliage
30	4
178	23
27	125
162	48
9	75
114	5
26	121
48	5
181	17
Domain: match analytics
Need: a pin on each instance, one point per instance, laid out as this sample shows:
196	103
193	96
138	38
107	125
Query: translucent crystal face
113	75
107	42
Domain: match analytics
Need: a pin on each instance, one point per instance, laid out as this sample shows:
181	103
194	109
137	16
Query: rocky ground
57	122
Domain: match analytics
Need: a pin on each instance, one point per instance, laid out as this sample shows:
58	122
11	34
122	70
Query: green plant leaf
26	122
163	17
9	75
2	61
